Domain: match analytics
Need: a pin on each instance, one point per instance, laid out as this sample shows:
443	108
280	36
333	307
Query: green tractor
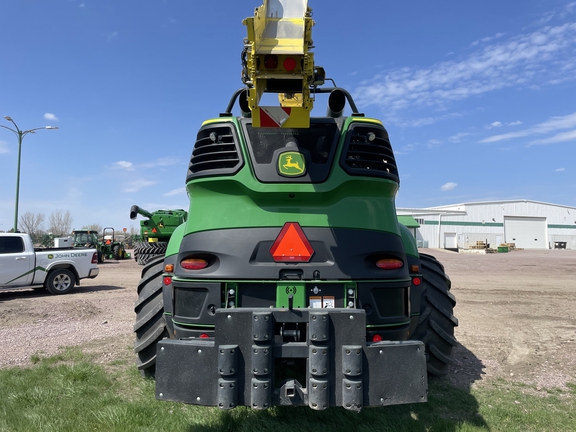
155	231
111	247
292	281
89	238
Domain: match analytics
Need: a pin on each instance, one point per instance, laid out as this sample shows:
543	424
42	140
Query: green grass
70	392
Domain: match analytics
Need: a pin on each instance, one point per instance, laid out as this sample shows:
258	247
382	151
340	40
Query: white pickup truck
56	270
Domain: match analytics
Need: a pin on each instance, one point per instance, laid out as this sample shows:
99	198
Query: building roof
497	202
408	221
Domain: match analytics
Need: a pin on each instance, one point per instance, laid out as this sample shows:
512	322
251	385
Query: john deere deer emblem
291	164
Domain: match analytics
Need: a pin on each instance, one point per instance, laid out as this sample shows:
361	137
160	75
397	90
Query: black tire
117	252
437	321
150	326
148	251
60	281
100	257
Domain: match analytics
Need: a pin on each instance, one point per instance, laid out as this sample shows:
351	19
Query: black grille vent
368	153
216	152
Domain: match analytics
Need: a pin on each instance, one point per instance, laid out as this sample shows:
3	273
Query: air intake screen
216	152
368	153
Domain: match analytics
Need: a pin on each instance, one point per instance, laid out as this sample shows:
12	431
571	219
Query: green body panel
410	245
349	203
175	240
342	201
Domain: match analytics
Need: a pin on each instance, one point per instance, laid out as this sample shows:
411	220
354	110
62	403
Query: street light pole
20	134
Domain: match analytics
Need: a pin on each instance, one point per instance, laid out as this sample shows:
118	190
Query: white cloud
136	185
458	137
4	147
498	124
554	124
124	165
162	162
408	148
173	192
112	35
560	169
449	186
51	117
558	138
531	59
487	39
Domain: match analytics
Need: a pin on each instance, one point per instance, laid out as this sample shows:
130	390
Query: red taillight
376	338
204	336
289	64
416	281
389	264
95	258
270	61
193	263
167	280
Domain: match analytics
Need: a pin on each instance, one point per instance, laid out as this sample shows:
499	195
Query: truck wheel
150	327
437	321
60	281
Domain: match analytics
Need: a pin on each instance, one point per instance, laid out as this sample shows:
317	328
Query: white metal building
528	224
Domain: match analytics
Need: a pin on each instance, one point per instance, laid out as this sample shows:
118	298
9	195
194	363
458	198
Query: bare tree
60	223
32	224
93	227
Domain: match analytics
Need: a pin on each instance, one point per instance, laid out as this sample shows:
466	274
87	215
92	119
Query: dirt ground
515	311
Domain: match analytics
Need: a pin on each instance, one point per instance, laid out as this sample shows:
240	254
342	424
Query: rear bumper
238	366
93	273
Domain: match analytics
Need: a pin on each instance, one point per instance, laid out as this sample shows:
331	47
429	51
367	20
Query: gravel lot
516	313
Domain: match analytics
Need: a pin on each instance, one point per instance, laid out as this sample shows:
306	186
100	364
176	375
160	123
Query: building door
526	232
450	241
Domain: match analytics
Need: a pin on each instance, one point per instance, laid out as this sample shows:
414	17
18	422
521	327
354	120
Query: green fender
176	240
410	246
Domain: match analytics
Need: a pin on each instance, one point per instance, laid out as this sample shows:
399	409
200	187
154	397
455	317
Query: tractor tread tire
436	322
146	251
150	326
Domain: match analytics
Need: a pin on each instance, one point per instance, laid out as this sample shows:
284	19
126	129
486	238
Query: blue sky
479	97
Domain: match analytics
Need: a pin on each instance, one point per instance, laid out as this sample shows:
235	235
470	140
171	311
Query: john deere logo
291	164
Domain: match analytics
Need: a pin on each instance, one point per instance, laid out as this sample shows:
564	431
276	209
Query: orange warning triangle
291	245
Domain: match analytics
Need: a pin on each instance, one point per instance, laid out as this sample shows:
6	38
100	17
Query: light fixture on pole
20	134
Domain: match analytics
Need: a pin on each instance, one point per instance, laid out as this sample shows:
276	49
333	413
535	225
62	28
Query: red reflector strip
291	245
274	116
